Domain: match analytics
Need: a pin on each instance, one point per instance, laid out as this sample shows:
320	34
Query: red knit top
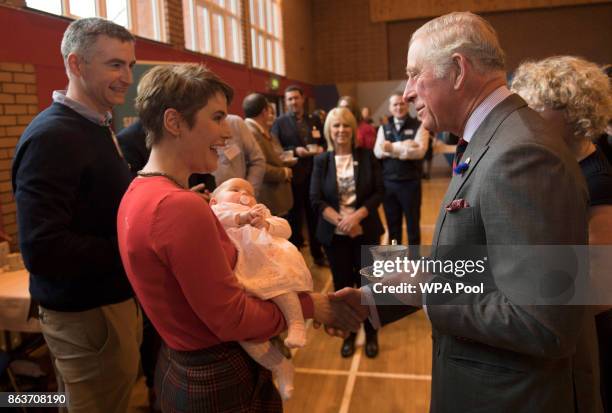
179	261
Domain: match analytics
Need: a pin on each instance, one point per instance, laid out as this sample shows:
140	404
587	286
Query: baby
268	266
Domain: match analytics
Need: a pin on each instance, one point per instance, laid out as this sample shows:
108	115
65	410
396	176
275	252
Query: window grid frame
227	51
157	6
271	16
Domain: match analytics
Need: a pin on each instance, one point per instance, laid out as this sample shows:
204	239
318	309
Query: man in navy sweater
69	176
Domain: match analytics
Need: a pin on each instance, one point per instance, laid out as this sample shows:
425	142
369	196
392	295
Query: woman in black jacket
346	189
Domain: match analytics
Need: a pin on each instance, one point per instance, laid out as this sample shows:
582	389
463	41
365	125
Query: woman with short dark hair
180	261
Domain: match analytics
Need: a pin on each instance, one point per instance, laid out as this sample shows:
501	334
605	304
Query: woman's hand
331	215
350	221
356	231
200	189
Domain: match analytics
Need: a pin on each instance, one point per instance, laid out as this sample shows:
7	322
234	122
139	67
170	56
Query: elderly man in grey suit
493	352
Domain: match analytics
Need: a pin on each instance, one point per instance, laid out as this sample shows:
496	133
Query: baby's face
237	191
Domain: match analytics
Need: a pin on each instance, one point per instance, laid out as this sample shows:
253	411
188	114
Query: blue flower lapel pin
462	167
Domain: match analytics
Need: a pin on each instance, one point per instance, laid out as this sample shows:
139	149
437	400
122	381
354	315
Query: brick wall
173	20
348	46
299	38
18	106
13	3
528	34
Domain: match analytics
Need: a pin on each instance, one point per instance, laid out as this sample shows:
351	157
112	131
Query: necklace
165	175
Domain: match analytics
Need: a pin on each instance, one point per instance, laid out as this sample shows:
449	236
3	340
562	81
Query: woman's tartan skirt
222	378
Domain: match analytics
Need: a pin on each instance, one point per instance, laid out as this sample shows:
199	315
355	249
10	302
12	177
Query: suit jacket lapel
332	179
478	146
356	170
458	180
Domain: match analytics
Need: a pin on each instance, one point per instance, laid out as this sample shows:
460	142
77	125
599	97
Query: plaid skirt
222	378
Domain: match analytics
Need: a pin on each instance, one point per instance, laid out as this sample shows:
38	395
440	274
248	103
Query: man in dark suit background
302	133
514	186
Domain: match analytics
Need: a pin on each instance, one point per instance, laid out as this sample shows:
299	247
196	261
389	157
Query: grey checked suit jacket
524	188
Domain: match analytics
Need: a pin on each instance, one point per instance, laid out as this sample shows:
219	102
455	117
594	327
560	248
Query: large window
141	17
214	27
266	35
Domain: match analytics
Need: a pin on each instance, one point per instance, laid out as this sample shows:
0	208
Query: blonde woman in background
346	190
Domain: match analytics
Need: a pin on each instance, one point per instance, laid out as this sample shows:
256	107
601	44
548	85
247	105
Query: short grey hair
81	35
461	32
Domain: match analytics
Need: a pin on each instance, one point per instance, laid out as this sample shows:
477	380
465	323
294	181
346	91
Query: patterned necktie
461	146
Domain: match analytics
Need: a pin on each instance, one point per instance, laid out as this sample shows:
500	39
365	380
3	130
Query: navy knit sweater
68	180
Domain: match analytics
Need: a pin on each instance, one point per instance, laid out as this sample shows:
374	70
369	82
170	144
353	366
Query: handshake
341	312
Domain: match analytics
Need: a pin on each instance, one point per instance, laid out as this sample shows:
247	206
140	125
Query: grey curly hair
576	86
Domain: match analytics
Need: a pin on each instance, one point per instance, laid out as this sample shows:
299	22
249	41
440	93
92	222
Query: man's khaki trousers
96	354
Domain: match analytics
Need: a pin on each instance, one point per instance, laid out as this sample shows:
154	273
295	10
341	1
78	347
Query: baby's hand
248	217
260	222
258	216
258	211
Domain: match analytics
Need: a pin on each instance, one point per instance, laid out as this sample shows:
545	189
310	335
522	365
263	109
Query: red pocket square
457	204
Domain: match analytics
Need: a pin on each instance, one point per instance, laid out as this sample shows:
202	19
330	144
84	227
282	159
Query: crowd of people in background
104	219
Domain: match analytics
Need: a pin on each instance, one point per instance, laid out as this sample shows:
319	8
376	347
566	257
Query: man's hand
387	147
302	152
288	174
335	314
352	297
